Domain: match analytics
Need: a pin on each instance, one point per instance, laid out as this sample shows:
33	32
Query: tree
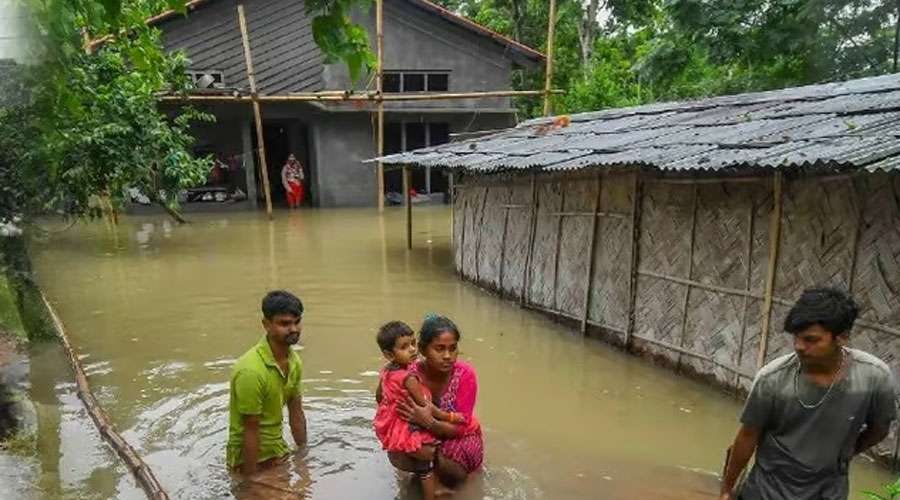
90	128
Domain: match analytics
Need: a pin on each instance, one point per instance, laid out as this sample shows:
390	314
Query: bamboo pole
407	199
257	115
142	472
634	262
503	249
479	233
532	228
690	273
462	239
748	258
592	250
559	232
548	74
342	96
859	205
379	82
774	244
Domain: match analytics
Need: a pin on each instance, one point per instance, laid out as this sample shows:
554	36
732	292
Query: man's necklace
834	380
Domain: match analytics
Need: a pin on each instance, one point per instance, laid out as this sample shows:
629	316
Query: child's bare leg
425	458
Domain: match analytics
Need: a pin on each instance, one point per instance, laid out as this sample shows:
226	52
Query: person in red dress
292	179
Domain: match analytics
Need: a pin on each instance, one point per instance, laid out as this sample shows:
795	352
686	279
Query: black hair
390	332
281	302
831	308
433	326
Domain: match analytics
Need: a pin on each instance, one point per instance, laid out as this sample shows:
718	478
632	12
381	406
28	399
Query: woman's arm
414	387
421	415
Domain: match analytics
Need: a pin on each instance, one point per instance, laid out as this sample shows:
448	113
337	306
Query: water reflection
161	312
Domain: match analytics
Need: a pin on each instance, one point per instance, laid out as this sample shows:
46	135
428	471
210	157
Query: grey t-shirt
803	454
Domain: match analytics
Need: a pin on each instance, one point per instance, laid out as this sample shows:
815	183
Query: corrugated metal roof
845	125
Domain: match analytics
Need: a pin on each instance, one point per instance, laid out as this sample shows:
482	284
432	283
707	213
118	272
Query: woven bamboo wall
703	252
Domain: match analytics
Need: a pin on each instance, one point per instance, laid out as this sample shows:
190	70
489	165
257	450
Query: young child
398	344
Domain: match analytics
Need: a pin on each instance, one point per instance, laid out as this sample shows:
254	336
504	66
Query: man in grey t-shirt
811	411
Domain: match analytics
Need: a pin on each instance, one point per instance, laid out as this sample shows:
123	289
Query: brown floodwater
159	313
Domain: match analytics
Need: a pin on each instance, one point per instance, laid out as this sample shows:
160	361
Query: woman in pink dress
454	389
398	345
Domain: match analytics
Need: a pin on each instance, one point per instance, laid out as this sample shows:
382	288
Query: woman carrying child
398	345
453	388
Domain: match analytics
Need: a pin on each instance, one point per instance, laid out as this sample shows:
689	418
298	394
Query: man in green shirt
263	381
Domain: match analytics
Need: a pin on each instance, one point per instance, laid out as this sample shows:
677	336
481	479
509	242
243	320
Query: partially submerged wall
678	268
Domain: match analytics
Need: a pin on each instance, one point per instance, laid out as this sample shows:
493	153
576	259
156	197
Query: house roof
847	125
510	44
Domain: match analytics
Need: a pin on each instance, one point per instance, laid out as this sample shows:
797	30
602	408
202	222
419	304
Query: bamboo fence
142	472
697	273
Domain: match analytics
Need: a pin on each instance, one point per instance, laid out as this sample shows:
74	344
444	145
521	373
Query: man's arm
741	450
250	449
297	420
870	437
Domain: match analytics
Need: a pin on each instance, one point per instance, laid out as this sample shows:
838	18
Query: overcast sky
13	30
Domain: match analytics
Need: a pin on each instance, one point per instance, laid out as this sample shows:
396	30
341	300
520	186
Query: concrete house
427	49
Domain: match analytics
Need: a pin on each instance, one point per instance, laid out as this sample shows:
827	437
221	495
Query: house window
416	81
391	82
413	82
438	82
206	79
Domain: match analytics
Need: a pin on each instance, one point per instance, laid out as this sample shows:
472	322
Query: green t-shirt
258	387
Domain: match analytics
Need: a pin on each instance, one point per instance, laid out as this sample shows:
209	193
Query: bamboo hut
684	231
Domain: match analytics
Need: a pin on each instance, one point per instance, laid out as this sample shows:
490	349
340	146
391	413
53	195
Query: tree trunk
896	36
587	33
174	214
517	19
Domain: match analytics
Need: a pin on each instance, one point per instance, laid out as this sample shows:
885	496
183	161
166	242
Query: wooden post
462	239
690	273
532	228
379	82
257	115
503	245
480	231
548	74
774	243
637	195
408	201
559	221
748	256
452	195
859	205
592	250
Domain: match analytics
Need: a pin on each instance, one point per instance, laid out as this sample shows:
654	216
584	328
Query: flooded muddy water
159	313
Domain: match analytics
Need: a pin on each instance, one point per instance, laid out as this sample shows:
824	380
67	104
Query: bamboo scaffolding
548	76
774	244
142	472
379	82
342	96
257	115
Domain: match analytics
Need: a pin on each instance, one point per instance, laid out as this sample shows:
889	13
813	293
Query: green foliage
890	491
651	50
338	37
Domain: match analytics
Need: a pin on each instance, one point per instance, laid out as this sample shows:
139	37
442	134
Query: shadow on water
160	313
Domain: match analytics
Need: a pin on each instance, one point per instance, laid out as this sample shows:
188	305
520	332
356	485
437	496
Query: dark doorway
283	139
